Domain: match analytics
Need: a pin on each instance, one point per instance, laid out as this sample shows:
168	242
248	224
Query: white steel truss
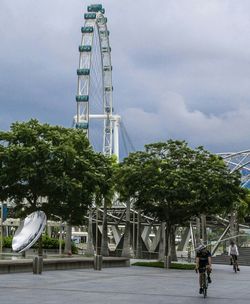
239	161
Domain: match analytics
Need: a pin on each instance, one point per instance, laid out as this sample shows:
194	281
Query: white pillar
116	137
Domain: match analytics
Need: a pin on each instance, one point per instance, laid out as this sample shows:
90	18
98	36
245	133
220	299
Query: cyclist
203	263
233	252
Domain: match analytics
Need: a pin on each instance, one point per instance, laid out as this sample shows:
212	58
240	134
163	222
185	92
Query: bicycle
204	280
234	263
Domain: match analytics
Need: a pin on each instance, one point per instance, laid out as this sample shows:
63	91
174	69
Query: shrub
48	243
157	264
7	242
161	265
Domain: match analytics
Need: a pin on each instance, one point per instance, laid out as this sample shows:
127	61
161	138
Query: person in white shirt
233	252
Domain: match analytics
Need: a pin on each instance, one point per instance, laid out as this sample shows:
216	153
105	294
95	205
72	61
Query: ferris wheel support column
116	135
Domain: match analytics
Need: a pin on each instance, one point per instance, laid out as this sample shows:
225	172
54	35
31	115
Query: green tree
50	168
172	182
242	207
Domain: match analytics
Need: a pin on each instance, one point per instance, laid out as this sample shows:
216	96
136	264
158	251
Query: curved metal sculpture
29	231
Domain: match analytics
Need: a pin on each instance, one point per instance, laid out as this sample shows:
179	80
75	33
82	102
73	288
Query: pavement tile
140	285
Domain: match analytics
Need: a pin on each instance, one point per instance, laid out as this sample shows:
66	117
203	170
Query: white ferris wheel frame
96	21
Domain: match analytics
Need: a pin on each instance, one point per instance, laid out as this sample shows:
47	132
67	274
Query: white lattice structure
239	161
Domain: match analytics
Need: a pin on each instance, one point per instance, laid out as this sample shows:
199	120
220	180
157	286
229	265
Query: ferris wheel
94	96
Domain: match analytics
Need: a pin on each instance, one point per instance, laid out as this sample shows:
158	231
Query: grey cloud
197	50
173	120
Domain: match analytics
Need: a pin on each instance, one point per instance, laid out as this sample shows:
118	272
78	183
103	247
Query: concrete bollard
98	262
37	265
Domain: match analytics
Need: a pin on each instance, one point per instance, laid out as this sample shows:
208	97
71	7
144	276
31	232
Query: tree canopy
54	163
173	182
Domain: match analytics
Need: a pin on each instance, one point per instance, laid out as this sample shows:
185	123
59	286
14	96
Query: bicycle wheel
235	268
234	264
205	293
204	284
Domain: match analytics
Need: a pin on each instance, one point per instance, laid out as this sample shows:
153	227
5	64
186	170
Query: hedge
48	243
159	264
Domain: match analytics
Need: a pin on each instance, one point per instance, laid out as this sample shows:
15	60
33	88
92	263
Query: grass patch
161	265
182	266
149	264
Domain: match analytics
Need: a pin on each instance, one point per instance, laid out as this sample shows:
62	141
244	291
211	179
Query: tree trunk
104	245
138	239
90	246
198	232
126	240
172	243
204	229
237	230
167	261
233	225
68	249
162	245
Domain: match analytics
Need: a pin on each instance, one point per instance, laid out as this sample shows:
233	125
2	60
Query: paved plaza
124	285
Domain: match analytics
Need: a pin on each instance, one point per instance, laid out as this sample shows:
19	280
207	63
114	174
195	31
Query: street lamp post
60	235
60	238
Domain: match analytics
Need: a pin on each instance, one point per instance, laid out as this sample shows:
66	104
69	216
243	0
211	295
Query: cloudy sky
181	68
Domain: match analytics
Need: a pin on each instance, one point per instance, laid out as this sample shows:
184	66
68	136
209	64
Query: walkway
125	285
